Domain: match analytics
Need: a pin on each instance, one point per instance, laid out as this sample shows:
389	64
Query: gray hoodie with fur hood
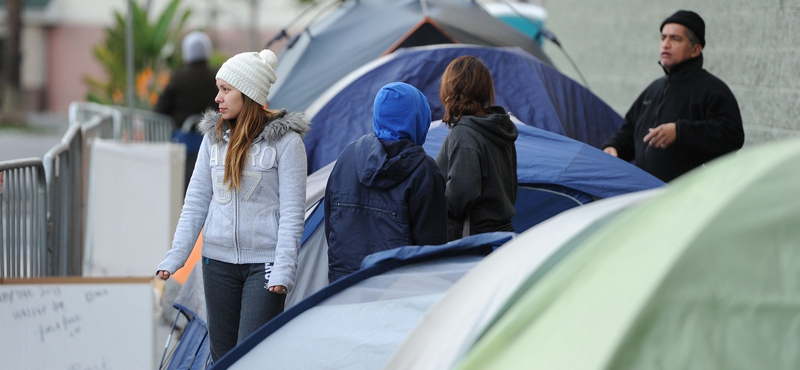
260	223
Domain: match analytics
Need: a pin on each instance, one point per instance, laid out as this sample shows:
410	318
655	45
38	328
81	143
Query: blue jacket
381	195
384	191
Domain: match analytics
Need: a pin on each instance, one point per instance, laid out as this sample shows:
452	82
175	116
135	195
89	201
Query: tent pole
282	33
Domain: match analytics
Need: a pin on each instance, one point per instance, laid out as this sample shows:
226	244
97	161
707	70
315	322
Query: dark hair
244	130
466	89
693	39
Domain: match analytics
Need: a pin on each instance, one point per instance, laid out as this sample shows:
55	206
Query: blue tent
535	93
556	173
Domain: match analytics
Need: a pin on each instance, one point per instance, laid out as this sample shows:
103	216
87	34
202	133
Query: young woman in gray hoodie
247	194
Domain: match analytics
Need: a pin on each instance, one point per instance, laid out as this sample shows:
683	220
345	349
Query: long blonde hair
244	130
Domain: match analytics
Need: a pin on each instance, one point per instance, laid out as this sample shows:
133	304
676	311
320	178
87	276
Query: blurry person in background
190	92
191	88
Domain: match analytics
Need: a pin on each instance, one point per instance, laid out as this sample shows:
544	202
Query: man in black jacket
192	88
191	91
684	119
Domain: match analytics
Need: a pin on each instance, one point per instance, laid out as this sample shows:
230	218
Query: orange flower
153	98
142	81
162	80
117	96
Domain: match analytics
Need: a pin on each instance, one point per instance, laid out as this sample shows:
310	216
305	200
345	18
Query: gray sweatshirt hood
281	124
496	126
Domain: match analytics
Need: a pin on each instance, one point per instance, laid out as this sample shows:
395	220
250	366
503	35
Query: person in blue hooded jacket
384	191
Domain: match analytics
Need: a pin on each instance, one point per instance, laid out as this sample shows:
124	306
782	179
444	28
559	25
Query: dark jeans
237	302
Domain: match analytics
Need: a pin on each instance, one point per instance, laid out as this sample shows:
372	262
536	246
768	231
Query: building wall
72	59
34	52
751	45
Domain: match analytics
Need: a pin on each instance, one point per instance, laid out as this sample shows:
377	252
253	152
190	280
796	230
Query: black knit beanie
690	20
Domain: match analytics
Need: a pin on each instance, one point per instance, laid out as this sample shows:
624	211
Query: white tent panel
451	327
360	327
312	267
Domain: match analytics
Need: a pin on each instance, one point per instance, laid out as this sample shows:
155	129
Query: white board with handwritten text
85	324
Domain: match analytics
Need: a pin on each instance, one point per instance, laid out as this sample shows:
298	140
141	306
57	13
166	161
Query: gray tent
357	32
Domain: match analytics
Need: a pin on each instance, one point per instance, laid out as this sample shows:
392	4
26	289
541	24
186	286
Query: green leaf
150	41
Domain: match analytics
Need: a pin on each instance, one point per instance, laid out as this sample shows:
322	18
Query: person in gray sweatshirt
478	157
247	193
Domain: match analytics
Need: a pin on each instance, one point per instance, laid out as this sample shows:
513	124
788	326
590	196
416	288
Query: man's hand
611	150
662	136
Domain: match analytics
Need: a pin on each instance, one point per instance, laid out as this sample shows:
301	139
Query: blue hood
385	164
401	111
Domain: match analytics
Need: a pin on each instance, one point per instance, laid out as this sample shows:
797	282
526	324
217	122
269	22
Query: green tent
705	275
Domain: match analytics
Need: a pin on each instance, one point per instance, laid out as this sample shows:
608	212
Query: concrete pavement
44	131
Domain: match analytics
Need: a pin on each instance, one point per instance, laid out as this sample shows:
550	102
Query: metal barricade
67	168
142	125
64	169
80	113
43	202
23	219
129	124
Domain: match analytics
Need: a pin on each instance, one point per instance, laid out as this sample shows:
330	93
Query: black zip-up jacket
706	115
191	90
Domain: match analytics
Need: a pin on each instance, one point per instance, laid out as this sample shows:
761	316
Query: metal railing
81	113
64	171
23	219
43	202
141	125
129	125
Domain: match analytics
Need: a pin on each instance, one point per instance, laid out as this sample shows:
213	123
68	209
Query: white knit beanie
251	73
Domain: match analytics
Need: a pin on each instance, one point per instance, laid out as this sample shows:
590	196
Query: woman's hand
163	274
280	289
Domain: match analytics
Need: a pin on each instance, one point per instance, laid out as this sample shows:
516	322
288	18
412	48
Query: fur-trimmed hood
282	123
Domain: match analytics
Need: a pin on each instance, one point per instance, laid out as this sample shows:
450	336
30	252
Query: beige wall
34	71
70	48
71	59
751	45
